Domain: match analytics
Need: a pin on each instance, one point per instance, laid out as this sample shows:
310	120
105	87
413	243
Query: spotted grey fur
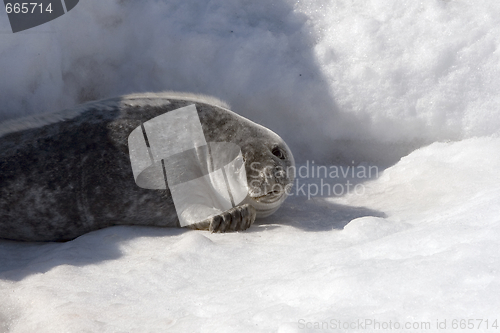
66	173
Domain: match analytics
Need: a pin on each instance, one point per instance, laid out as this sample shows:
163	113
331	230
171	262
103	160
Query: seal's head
270	169
269	163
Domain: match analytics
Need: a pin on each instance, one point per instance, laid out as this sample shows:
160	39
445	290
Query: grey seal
66	173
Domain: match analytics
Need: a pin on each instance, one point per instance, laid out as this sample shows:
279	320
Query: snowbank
341	81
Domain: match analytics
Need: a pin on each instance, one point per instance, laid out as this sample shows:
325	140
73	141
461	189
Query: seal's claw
244	212
204	225
235	219
246	217
254	216
215	223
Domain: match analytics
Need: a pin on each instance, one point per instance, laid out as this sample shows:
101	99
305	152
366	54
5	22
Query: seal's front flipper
235	219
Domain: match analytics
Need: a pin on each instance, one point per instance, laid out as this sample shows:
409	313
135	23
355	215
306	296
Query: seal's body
67	173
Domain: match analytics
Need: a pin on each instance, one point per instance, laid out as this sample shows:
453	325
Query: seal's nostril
280	174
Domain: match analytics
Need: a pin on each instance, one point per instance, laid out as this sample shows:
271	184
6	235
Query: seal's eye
278	153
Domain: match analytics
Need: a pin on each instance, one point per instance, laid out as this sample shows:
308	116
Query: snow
408	86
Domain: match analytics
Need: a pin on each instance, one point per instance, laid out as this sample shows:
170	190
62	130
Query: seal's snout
269	185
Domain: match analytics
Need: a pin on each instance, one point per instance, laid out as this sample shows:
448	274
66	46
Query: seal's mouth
270	197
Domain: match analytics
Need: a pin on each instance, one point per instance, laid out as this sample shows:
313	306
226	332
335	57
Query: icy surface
368	81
